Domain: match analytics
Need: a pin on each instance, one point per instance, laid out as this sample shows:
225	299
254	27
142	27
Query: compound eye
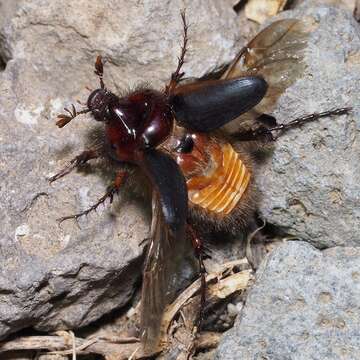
186	145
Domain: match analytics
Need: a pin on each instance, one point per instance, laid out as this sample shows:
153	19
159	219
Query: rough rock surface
64	277
304	305
311	183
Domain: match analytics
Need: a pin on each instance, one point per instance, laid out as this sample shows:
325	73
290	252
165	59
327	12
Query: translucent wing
276	54
168	245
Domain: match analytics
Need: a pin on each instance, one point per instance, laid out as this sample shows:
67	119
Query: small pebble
232	310
22	230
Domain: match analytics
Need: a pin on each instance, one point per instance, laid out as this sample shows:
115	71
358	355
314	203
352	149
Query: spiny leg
112	190
264	133
177	75
312	117
99	70
78	160
198	246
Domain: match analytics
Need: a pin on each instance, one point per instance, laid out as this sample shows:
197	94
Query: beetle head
99	102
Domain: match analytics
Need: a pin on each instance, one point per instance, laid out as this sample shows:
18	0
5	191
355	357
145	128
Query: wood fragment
240	280
59	345
220	285
208	340
229	285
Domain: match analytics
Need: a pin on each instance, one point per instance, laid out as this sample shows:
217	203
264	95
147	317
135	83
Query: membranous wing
276	54
167	247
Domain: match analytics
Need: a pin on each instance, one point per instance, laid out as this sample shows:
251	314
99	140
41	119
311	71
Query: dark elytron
199	171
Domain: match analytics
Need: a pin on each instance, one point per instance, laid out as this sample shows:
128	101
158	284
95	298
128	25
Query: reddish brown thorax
142	120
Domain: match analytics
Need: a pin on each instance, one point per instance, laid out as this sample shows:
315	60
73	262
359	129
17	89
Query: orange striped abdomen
217	178
221	187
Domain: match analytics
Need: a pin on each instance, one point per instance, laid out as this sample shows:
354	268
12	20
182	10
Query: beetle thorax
140	121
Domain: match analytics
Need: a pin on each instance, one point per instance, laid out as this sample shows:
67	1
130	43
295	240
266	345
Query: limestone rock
311	182
304	305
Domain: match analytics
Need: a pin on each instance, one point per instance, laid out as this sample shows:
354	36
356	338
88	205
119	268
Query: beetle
200	172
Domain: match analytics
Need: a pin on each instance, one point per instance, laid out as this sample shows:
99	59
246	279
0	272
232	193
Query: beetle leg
264	133
308	118
261	133
78	160
198	246
99	70
112	190
177	75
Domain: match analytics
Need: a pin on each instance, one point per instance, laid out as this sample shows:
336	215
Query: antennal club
64	119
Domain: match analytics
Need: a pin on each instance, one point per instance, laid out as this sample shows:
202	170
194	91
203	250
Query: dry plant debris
179	320
261	10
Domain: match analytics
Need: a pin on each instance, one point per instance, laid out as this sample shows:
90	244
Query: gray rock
64	277
7	10
304	305
311	183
